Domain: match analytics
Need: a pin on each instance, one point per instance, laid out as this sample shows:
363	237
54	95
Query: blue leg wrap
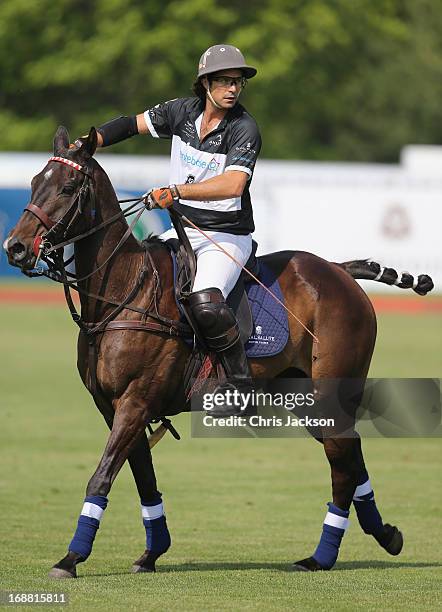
157	534
333	529
88	523
368	515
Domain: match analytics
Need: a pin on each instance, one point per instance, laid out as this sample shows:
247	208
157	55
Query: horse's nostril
16	249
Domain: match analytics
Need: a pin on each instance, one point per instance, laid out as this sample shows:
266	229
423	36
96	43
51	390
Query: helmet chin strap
209	95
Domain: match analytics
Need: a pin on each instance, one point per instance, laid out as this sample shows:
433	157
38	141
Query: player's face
226	86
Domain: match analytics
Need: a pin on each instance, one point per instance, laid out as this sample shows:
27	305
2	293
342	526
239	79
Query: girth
175	328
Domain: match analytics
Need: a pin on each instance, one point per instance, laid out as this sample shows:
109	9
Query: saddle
262	321
185	270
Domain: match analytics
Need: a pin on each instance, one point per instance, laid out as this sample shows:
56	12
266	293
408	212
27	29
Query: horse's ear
61	140
89	142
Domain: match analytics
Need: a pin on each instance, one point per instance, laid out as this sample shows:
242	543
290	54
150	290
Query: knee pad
214	318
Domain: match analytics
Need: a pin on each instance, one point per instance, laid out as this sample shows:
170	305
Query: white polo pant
215	268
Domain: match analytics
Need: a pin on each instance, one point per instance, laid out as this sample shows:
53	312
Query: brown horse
131	355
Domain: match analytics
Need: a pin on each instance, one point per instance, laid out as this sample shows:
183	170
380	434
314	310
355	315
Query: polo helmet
224	57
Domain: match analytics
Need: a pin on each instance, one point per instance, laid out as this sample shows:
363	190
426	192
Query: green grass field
240	511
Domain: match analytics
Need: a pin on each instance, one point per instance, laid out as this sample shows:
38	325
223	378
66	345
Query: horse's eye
68	190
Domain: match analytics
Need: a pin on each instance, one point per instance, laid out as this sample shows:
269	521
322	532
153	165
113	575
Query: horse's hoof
393	540
145	564
66	567
306	565
143	569
58	573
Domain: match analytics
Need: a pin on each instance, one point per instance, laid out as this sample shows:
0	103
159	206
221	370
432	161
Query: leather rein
48	248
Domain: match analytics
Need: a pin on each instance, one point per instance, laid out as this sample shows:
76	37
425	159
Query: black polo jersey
234	145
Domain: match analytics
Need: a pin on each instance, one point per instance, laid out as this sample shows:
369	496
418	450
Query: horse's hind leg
388	536
349	481
154	520
340	454
339	444
128	425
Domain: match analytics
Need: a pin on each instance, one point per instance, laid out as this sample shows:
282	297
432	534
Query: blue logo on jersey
190	160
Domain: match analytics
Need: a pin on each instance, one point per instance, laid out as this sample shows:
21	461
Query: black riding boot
219	328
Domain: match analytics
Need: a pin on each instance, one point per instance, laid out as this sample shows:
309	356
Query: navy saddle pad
270	321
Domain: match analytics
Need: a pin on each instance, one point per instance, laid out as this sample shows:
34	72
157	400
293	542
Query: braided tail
370	270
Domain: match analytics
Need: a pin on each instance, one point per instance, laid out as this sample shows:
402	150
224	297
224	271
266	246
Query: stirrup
238	395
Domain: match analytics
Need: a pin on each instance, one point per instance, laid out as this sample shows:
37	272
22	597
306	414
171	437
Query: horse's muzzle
18	253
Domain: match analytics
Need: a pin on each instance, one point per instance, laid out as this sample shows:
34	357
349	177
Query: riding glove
161	197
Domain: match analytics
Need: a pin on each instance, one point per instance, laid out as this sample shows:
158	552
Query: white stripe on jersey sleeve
240	168
148	120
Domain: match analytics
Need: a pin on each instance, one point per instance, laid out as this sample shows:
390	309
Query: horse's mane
152	239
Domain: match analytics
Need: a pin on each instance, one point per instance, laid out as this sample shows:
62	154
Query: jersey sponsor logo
213	164
246	149
191	160
244	158
215	142
189	130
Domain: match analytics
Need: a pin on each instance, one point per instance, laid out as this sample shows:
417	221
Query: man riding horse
215	144
131	353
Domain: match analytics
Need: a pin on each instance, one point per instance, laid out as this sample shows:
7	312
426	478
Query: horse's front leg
131	413
154	520
152	511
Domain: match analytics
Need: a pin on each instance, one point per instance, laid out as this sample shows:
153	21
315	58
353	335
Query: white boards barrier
340	211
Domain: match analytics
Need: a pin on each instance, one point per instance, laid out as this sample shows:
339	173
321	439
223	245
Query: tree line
337	80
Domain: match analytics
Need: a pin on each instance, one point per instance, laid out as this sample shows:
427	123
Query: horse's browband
68	162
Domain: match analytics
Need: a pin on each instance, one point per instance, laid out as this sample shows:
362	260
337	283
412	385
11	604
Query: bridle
49	248
48	244
43	243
